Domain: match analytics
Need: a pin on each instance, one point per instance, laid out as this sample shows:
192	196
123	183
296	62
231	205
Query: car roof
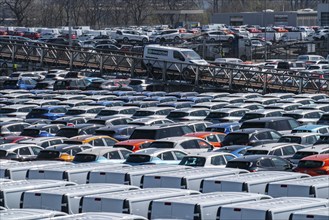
301	134
253	157
268	119
251	130
153	151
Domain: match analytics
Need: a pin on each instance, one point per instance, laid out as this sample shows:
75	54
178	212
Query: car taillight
70	124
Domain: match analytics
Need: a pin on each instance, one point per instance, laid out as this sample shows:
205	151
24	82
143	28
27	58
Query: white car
213	36
321	34
165	35
131	35
207	159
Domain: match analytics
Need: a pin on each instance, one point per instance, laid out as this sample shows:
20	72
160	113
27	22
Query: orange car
134	144
214	138
314	165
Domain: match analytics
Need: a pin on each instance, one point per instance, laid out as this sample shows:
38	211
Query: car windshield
39	111
144	113
310	164
7	110
48	154
254	152
191	55
67	132
143	134
75	112
290	140
295	116
193	161
252	116
161	144
239	164
253	125
300	155
138	158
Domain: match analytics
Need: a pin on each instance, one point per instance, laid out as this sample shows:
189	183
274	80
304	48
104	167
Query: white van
67	198
315	214
17	171
71	172
172	58
28	214
248	182
129	175
186	179
271	209
10	192
202	207
101	216
135	202
317	186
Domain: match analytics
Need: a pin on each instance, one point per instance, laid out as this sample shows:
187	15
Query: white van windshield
192	55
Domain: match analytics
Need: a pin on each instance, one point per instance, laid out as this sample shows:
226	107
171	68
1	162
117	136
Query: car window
218	160
278	162
275	135
45	144
190	144
125	153
277	152
202	144
166	156
311	140
113	155
229	157
263	136
109	141
55	142
212	138
179	155
98	142
24	151
266	163
288	150
35	150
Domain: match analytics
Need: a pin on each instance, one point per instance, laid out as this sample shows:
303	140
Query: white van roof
156	46
281	204
31	184
317	214
101	216
310	181
29	214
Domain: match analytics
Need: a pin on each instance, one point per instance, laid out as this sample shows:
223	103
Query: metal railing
116	63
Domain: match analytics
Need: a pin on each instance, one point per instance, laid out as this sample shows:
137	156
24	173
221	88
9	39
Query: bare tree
19	8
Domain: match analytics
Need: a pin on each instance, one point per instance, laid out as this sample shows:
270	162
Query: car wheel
125	40
144	41
230	39
157	40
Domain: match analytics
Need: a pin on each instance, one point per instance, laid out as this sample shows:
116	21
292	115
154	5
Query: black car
251	137
80	129
255	163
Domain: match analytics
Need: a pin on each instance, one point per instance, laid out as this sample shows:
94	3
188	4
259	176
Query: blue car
47	112
226	127
20	83
237	150
322	129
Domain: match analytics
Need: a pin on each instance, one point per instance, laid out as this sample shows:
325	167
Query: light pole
265	13
70	22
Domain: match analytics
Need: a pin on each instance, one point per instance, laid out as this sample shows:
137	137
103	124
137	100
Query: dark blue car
47	112
20	83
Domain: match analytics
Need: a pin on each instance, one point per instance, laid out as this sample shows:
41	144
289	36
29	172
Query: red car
2	33
214	138
314	165
134	144
32	35
12	139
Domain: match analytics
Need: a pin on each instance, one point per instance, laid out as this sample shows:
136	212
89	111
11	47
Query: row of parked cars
167	128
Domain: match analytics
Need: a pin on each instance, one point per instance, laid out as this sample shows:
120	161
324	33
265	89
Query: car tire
125	40
177	39
157	40
144	40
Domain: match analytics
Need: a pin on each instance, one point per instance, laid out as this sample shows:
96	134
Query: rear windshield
75	112
236	139
325	117
84	158
300	155
67	132
310	164
217	115
96	121
252	116
239	164
73	142
39	111
135	83
107	112
177	114
253	152
160	144
193	161
134	158
253	125
10	82
295	116
48	154
144	113
30	132
222	130
143	134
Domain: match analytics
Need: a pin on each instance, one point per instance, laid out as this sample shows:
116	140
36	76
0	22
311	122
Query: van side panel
307	217
42	201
